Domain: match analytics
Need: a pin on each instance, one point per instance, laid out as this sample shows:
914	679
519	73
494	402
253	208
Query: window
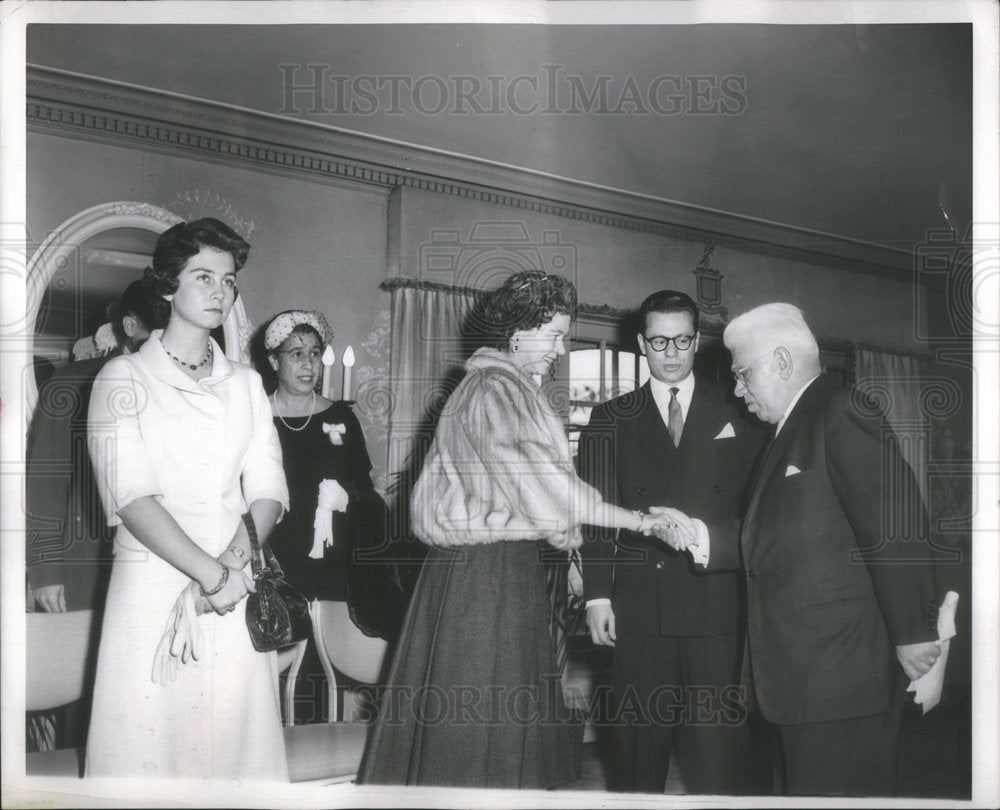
604	363
599	371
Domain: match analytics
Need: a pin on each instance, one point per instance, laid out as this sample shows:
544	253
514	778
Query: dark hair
178	244
137	302
525	300
667	301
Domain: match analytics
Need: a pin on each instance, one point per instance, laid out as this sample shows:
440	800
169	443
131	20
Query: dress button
659	564
752	572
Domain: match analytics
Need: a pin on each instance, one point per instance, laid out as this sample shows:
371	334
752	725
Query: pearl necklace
192	366
308	418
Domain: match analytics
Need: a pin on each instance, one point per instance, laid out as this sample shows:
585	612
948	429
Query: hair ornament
284	323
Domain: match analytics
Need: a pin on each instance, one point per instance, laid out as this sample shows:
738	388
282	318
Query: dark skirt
474	698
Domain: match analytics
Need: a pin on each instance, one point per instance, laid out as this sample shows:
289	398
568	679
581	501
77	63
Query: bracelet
222	583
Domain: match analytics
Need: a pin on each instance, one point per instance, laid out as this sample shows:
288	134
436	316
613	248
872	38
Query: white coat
205	450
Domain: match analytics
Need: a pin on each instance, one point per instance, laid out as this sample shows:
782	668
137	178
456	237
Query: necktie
675	425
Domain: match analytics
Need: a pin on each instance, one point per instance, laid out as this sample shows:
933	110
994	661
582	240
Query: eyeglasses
740	374
299	355
659	343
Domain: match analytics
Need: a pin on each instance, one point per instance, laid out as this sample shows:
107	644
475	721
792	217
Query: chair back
58	647
352	652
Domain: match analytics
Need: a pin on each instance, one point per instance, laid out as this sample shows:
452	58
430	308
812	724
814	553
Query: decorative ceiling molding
70	104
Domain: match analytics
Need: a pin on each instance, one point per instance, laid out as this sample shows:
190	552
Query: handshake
670	526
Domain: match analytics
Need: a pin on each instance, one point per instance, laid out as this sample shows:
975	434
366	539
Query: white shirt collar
661	395
795	399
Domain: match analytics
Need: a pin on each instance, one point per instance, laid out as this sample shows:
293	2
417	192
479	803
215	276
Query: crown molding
79	106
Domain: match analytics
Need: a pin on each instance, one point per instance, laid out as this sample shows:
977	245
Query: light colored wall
328	246
620	267
313	245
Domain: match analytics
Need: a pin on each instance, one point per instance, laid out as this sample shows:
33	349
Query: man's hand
601	623
52	598
676	528
917	659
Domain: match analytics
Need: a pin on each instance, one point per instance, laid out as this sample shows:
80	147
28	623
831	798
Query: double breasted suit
835	577
676	624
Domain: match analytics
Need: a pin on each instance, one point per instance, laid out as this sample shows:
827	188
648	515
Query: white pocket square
792	470
727	432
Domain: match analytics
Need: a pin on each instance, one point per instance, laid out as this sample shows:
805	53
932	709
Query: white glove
928	687
332	498
182	640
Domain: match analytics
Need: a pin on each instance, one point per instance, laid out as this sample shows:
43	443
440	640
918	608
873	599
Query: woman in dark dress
474	697
335	516
322	446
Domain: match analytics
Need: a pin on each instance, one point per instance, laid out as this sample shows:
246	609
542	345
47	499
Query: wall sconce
709	285
329	358
348	362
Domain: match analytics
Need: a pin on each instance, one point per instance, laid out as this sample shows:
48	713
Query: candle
348	363
329	357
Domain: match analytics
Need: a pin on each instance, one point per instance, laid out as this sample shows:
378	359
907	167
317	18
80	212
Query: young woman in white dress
183	444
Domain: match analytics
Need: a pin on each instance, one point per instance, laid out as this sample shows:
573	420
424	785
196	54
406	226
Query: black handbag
278	613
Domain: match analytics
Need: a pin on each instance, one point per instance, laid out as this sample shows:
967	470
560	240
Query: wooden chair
341	645
327	753
57	657
58	650
290	658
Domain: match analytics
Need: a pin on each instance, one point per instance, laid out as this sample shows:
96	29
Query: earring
514	346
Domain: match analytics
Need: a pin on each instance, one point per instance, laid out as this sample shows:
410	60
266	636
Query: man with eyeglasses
838	611
676	442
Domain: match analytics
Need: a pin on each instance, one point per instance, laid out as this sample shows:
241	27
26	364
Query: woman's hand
648	523
233	592
674	527
201	604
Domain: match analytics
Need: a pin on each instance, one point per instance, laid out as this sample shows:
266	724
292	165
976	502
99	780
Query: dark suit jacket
827	591
68	539
627	454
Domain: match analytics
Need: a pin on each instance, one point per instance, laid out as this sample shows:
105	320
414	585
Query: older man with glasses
676	442
838	609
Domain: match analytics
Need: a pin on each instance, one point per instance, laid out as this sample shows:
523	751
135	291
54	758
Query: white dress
205	450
